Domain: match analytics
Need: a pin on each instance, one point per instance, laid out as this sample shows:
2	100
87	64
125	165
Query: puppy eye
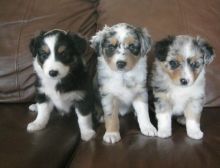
134	49
62	54
194	65
174	64
43	55
111	47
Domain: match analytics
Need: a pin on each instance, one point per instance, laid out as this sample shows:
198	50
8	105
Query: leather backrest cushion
171	17
21	20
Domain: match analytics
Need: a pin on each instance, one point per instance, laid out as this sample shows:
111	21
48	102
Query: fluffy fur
122	72
178	82
62	81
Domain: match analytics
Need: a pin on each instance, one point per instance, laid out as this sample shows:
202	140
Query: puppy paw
33	107
111	137
149	131
87	135
35	126
195	134
164	133
181	120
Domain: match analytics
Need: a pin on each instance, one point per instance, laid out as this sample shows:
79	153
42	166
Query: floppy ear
207	50
96	40
79	42
162	48
145	40
34	43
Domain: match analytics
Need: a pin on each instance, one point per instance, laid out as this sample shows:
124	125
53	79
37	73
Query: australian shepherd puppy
122	73
62	80
178	82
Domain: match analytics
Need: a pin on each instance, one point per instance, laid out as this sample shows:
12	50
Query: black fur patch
86	105
77	79
35	44
41	98
162	48
80	44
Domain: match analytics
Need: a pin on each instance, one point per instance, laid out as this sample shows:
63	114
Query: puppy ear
79	42
32	47
34	43
162	48
145	40
207	50
96	40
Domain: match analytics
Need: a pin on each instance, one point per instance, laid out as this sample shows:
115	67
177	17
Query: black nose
183	81
121	64
53	73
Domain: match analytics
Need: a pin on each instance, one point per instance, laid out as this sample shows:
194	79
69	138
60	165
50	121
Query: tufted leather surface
51	147
138	151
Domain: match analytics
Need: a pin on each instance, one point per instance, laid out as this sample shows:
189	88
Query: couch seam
18	49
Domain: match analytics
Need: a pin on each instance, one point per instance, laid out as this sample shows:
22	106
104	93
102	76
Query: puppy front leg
85	125
83	110
193	113
164	116
44	109
111	111
141	107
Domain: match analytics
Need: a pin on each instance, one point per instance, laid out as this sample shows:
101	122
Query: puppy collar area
55	30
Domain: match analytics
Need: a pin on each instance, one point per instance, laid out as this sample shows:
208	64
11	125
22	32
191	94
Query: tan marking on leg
192	115
112	121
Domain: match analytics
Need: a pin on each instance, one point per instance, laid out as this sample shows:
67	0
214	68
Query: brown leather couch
59	145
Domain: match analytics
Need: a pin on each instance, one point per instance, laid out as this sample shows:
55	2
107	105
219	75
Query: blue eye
111	47
134	49
174	64
194	65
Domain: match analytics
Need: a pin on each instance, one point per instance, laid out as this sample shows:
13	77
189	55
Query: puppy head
183	58
57	52
121	45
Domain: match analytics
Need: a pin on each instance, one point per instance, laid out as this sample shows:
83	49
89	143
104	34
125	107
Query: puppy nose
53	73
121	64
183	81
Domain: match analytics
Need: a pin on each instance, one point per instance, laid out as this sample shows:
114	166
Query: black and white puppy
122	73
179	82
62	80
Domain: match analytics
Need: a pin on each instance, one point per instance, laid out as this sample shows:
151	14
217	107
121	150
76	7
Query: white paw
164	133
149	131
195	134
33	107
35	126
87	134
111	137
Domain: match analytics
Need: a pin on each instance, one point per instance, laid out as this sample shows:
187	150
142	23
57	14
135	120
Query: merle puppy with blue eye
62	79
122	72
178	82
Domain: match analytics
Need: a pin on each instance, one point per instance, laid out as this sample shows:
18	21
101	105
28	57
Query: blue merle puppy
179	82
122	73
